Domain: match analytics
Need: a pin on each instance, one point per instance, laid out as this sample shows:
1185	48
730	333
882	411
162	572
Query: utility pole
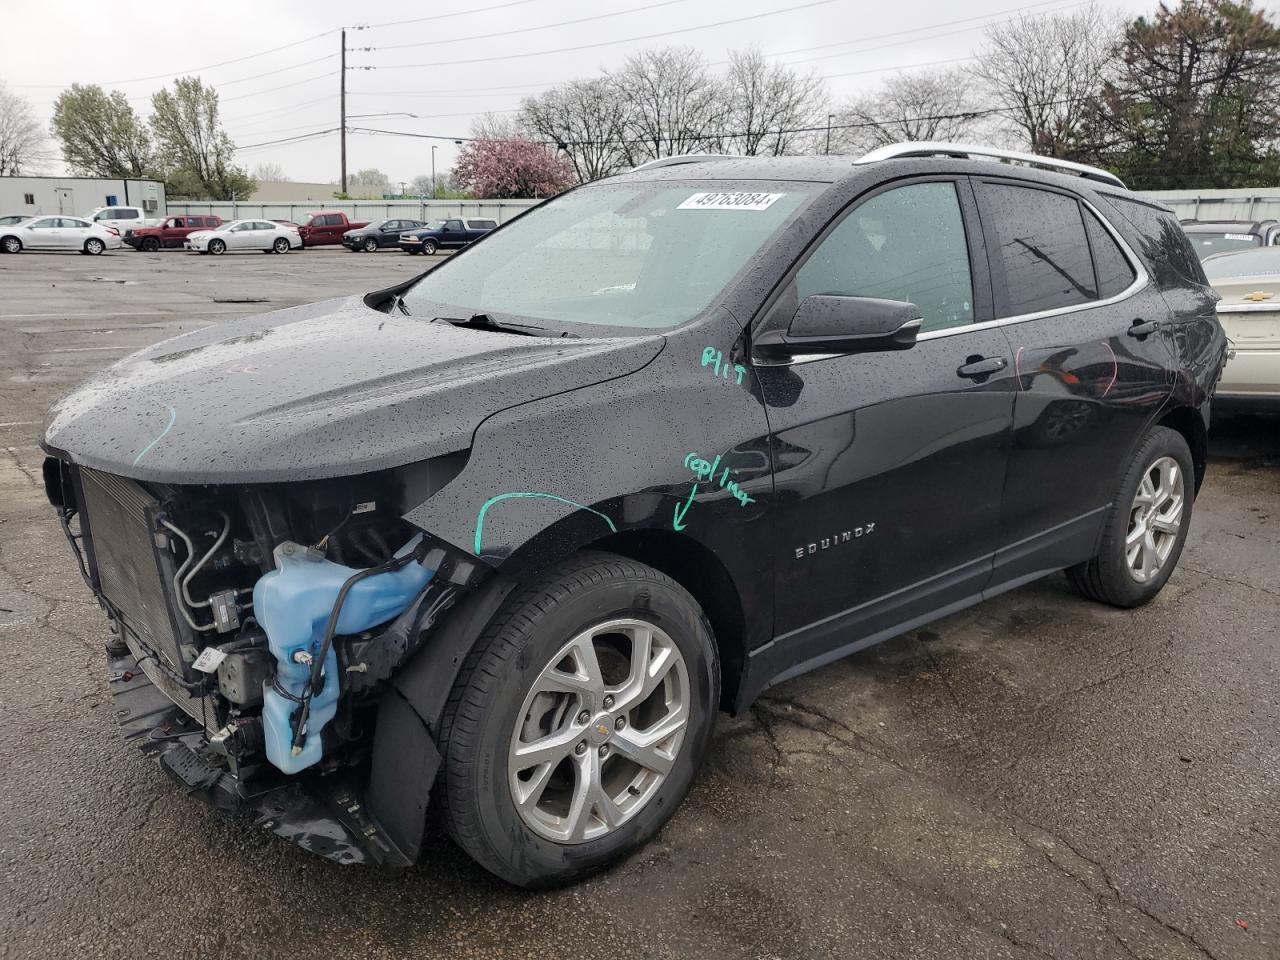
830	117
434	192
342	108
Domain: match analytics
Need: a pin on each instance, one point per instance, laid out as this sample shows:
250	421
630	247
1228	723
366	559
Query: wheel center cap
600	729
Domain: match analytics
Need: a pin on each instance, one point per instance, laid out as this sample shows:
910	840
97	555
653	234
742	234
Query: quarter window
1039	243
1113	270
904	244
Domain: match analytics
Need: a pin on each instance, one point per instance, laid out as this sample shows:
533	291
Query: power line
269	73
440	16
282	86
600	43
522	30
303	136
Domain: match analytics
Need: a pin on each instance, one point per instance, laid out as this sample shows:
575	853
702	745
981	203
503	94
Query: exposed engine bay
273	617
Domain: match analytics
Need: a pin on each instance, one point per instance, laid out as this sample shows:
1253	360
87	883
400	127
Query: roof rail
683	158
926	148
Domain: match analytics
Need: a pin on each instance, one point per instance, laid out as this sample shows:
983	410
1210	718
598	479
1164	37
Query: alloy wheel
94	247
12	245
599	731
1155	519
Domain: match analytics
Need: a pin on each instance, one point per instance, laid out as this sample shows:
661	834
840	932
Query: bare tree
270	173
1046	71
673	102
921	105
23	145
497	126
767	106
587	120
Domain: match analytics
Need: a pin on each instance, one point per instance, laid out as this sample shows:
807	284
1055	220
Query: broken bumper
323	814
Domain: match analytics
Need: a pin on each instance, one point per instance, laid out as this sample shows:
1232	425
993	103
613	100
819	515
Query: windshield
433	225
642	255
9	220
224	227
1263	262
1207	244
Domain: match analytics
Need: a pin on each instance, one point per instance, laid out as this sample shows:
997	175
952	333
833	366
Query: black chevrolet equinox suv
507	536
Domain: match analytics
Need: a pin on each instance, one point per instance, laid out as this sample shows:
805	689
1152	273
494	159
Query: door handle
1142	328
979	368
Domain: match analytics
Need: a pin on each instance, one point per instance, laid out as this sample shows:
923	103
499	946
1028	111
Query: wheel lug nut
620	723
581	748
608	702
604	749
583	717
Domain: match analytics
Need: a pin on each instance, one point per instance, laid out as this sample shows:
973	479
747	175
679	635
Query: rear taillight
113	231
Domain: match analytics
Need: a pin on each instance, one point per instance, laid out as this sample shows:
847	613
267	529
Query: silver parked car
58	233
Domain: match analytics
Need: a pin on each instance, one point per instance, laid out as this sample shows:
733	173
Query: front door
44	234
1093	359
889	466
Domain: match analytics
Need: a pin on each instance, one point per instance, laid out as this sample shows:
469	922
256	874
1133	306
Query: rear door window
908	244
1036	243
1113	270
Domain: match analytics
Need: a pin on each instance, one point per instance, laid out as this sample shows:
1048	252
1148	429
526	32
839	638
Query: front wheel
281	245
370	245
11	245
150	244
428	247
93	246
1146	525
217	247
578	721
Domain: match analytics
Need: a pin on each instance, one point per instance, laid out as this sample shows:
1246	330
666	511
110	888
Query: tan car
1249	283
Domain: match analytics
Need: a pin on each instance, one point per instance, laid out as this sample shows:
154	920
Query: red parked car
170	234
327	226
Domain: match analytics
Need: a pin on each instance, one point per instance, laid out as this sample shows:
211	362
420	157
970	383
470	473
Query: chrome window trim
1140	282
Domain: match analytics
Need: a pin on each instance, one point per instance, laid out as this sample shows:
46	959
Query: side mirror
830	324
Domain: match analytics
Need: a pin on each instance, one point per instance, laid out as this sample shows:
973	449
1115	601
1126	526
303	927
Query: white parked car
266	235
121	218
58	233
1249	283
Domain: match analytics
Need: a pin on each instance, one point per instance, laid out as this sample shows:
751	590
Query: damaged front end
257	629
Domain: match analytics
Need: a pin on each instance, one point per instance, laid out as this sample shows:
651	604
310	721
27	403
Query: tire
11	245
150	244
1158	486
499	702
429	247
371	245
93	246
281	245
217	247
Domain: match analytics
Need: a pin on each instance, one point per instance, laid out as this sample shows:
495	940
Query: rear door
74	232
1093	361
889	466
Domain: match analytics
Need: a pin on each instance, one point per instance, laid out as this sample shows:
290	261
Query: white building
76	196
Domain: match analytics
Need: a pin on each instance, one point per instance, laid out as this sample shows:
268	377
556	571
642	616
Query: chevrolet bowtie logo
1258	296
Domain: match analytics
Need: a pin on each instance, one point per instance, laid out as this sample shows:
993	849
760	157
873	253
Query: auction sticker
730	201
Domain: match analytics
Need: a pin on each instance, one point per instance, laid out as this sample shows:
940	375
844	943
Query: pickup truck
445	234
327	226
170	234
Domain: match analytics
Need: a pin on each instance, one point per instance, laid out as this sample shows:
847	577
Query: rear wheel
93	246
150	244
428	247
11	245
371	245
1146	526
281	245
217	247
578	721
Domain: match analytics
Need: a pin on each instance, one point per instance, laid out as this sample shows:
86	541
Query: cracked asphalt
1036	777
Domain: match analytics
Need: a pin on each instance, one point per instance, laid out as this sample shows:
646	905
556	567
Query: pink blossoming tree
511	168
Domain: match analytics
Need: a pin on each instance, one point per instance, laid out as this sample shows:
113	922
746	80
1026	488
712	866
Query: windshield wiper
485	321
397	301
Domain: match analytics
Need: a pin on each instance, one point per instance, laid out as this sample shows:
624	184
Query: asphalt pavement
1036	777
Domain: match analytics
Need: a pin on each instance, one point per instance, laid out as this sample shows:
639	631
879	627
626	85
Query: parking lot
1035	777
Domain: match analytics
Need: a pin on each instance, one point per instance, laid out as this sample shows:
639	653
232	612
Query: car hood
200	234
327	389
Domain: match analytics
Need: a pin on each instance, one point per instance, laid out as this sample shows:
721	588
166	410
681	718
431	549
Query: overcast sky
517	48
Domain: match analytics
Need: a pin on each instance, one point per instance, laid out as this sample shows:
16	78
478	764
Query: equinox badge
826	543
